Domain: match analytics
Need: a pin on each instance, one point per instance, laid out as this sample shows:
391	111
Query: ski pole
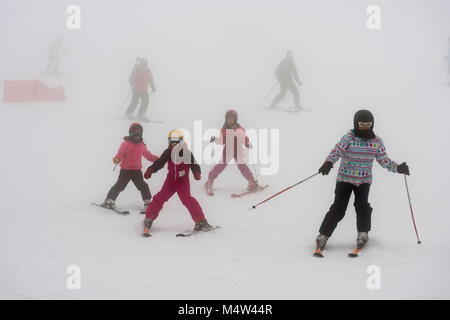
212	156
129	91
267	93
124	101
253	162
412	214
278	193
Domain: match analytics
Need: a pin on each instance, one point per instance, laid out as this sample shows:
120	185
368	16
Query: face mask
364	134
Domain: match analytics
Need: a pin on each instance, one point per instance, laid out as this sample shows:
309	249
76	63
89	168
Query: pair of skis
125	212
146	233
210	192
290	109
318	253
138	119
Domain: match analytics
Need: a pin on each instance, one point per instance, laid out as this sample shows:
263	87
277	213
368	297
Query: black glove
403	168
325	168
212	139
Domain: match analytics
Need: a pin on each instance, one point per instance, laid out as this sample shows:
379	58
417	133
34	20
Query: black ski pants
138	96
286	85
124	177
337	210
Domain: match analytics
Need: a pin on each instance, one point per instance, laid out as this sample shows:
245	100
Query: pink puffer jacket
130	155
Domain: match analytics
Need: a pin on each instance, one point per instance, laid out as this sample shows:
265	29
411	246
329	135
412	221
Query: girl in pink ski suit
129	156
177	181
233	137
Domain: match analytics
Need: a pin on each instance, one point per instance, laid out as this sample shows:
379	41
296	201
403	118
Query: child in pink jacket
129	156
234	139
179	162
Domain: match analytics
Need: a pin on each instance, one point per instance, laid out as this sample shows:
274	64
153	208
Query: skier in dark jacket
179	161
286	73
358	149
141	77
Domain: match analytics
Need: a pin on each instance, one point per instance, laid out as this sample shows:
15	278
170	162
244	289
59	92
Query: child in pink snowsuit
233	137
179	160
129	156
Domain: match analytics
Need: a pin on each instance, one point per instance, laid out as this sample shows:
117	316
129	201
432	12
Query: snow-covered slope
57	158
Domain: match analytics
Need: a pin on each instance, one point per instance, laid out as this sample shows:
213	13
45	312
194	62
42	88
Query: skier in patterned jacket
357	150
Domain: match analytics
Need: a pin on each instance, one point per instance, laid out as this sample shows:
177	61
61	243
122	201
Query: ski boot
362	239
321	241
109	204
146	203
202	225
147	225
252	185
208	186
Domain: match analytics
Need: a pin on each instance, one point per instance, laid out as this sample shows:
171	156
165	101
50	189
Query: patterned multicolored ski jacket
357	158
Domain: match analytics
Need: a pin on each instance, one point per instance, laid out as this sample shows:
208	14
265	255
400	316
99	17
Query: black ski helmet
135	126
363	116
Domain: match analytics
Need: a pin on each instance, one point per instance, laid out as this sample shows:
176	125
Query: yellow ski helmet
175	136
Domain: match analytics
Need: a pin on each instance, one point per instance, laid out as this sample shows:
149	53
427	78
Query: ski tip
354	253
233	195
318	253
180	235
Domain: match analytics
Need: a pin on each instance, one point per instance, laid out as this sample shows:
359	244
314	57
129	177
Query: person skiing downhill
358	149
286	73
129	157
53	56
233	137
179	160
141	77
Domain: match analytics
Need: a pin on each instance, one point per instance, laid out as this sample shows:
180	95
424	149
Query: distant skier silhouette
141	77
286	73
54	49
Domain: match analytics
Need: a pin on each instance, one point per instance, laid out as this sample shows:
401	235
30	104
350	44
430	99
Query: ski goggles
174	140
364	125
136	134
